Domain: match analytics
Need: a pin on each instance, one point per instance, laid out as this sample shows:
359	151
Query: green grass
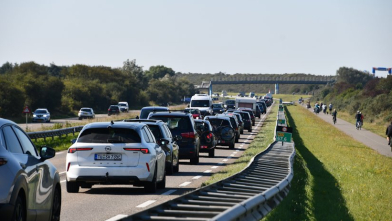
58	143
335	177
262	140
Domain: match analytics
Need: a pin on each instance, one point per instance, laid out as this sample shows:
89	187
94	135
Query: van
123	105
203	102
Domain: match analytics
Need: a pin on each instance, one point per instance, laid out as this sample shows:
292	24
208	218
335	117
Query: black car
263	106
240	121
208	140
217	108
113	109
145	111
223	130
252	116
247	120
165	139
230	104
234	124
258	111
182	124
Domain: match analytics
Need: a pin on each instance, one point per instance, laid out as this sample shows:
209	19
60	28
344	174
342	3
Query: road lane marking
60	152
214	167
220	163
207	171
118	217
196	177
169	192
147	203
185	184
62	181
235	152
62	172
225	160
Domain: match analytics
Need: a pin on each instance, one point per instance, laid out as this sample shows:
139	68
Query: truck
249	102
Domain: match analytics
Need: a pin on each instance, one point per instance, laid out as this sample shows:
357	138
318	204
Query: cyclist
389	135
358	117
330	108
334	113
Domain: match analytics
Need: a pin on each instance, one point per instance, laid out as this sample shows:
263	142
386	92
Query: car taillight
73	150
209	135
188	135
203	146
3	161
143	150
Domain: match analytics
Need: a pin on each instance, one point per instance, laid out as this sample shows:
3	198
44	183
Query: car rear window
145	112
219	122
175	123
86	109
109	135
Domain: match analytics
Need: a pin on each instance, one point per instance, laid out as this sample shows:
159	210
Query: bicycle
334	119
358	125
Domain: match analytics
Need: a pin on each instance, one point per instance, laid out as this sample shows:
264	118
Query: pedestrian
389	135
324	108
330	108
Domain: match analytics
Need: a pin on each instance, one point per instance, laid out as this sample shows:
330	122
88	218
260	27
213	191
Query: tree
352	76
160	71
6	68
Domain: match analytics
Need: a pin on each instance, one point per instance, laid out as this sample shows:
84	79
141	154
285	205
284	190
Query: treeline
357	90
65	89
197	78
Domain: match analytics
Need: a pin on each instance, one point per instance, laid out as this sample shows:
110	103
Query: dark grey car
29	184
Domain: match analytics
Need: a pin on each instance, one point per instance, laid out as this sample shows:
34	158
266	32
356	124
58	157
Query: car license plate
221	141
108	156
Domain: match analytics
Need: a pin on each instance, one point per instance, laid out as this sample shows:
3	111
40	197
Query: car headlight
45	115
34	115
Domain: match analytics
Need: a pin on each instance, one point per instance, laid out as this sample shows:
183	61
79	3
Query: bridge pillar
276	88
210	89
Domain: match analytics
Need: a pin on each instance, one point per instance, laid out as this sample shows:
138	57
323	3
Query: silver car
41	115
115	153
86	112
29	184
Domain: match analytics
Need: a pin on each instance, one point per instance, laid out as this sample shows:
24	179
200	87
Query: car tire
194	160
151	187
242	131
49	121
237	140
72	187
19	209
80	118
253	124
177	167
170	168
211	153
56	205
162	184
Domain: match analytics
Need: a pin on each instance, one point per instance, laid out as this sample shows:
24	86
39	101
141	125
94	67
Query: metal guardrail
248	195
53	133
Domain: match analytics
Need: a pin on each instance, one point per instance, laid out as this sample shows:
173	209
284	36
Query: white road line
232	155
169	192
62	181
60	152
146	203
118	217
185	184
207	171
196	177
214	167
235	152
225	160
220	163
62	172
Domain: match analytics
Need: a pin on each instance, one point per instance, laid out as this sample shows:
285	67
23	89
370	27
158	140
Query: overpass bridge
267	80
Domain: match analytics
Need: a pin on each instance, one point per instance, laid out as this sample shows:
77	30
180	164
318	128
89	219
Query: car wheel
253	124
250	130
170	168
80	118
86	185
56	206
237	139
162	184
72	187
242	131
177	167
211	154
194	160
151	187
19	209
49	121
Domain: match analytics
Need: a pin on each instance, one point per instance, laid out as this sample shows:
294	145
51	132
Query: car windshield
230	102
40	112
217	106
216	122
192	111
109	135
86	110
175	123
145	112
122	104
200	103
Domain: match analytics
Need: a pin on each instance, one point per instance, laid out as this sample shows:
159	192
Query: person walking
334	114
358	117
330	108
389	135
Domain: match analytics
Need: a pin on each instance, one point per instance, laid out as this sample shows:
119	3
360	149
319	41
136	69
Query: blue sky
312	37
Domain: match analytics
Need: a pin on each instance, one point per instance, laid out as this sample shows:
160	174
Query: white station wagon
115	153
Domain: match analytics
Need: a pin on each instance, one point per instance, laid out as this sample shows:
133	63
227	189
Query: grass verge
262	140
58	143
335	177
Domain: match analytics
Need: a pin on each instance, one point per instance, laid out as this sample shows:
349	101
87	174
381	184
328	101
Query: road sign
281	121
284	129
284	137
26	110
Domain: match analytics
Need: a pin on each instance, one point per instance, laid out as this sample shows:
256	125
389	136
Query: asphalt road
114	201
374	141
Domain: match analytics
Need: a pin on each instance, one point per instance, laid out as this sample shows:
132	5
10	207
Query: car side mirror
187	105
47	153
